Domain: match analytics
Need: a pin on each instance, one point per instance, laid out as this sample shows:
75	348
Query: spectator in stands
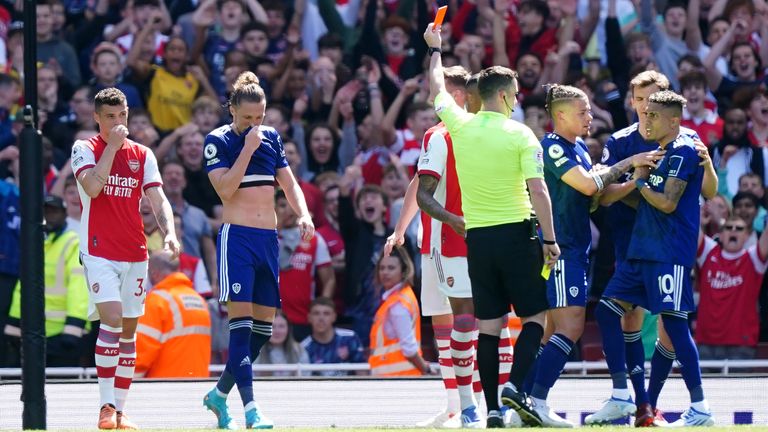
324	150
755	102
751	182
312	194
199	192
667	42
696	115
152	231
714	213
330	233
197	240
329	344
190	265
66	292
141	15
734	154
52	110
72	199
745	64
301	263
107	68
282	348
171	88
174	334
396	332
364	240
255	42
53	51
745	205
727	325
10	223
10	88
206	114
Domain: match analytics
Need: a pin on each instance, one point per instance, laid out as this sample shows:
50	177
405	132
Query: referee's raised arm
434	41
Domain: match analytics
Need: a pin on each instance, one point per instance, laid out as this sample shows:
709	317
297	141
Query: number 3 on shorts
140	289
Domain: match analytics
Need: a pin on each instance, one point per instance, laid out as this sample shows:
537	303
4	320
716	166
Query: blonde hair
246	89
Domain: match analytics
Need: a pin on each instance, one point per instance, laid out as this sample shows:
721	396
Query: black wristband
548	242
433	50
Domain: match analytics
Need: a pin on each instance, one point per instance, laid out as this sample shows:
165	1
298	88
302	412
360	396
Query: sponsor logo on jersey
655	180
134	165
561	161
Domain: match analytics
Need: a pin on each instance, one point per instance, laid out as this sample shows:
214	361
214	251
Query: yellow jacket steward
173	338
66	292
387	357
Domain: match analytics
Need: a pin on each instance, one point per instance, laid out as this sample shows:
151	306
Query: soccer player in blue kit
572	183
243	160
622	144
661	253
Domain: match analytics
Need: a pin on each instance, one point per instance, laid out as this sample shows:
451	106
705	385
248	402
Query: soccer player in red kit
112	172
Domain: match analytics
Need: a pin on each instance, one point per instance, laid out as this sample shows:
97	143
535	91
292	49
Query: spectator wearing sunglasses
730	276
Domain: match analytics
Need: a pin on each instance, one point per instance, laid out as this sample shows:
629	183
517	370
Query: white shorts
124	282
442	277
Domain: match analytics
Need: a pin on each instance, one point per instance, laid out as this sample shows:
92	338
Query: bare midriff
252	207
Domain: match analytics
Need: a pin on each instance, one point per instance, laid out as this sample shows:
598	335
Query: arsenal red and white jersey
407	147
111	225
729	286
297	283
437	160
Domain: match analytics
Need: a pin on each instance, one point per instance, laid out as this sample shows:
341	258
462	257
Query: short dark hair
254	26
675	4
322	301
493	79
416	107
668	99
109	96
636	37
279	194
330	40
220	3
538	6
692	59
371	189
742	195
693	78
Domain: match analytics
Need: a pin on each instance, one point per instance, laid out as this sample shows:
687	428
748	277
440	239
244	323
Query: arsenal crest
95	288
449	281
133	164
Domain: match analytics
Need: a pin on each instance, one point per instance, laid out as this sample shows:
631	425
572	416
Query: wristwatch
433	50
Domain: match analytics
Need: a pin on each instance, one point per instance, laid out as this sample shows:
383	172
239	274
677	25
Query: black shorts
505	264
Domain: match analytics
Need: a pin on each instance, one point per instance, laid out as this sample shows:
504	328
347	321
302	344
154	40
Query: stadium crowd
347	90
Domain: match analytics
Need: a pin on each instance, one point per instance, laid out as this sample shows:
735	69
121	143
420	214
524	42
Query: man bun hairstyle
246	89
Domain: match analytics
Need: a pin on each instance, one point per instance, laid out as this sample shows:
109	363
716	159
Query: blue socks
550	364
239	362
261	331
661	366
608	314
676	324
636	365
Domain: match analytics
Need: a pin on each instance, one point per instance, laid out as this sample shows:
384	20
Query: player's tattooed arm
425	197
665	201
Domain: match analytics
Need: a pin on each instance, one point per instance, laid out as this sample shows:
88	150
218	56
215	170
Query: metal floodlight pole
32	257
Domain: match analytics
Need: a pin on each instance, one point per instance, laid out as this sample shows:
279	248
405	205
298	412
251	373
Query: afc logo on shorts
95	288
236	288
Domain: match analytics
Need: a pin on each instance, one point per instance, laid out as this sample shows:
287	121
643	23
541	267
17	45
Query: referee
496	158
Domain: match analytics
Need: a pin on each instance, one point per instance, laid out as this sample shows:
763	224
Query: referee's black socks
488	366
526	348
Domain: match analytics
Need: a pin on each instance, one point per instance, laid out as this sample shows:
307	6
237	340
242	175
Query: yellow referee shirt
494	157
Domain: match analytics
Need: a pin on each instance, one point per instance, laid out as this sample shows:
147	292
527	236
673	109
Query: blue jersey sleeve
557	159
215	153
281	161
610	152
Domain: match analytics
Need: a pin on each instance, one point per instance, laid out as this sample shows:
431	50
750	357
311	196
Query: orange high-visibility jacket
386	358
173	338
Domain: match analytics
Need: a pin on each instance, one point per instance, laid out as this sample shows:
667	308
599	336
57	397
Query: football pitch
315	405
